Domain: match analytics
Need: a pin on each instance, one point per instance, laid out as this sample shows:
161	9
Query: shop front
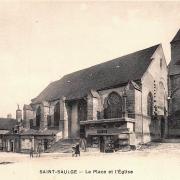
11	143
108	135
37	139
105	143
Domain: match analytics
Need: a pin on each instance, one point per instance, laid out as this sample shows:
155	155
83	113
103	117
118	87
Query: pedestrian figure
38	150
77	150
31	152
83	144
73	150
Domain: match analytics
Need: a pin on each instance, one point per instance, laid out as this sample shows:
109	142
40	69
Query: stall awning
99	121
2	132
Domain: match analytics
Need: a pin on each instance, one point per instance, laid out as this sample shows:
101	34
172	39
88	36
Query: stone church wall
156	74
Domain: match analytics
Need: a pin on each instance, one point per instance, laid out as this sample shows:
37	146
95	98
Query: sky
42	41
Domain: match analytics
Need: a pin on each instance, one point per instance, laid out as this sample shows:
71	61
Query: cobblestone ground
157	161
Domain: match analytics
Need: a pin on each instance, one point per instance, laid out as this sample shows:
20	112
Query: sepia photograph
89	90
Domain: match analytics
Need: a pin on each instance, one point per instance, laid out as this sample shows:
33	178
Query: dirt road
157	162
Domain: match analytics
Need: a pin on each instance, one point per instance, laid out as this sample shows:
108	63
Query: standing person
31	152
38	150
77	150
101	144
73	150
84	144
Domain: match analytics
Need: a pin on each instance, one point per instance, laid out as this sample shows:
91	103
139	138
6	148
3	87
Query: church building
123	100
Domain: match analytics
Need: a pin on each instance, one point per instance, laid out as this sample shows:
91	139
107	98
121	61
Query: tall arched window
150	104
82	110
56	114
114	106
38	116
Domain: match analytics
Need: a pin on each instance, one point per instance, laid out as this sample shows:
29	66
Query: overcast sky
41	42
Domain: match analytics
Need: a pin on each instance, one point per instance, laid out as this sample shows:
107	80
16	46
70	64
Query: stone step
63	146
171	140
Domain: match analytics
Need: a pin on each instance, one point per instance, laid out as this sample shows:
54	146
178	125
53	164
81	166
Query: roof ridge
108	61
107	74
176	37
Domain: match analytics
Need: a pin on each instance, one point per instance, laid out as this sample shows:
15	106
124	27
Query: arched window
57	114
38	116
82	110
150	104
114	106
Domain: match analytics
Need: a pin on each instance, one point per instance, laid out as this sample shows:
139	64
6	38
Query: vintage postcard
89	90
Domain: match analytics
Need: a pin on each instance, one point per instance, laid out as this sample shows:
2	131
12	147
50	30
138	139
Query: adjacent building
9	138
174	87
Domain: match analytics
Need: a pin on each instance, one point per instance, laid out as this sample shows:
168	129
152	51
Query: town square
89	90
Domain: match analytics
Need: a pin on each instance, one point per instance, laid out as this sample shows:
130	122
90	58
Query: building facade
9	138
123	101
174	87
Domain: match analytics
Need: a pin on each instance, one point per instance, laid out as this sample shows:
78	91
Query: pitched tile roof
108	74
176	37
7	124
